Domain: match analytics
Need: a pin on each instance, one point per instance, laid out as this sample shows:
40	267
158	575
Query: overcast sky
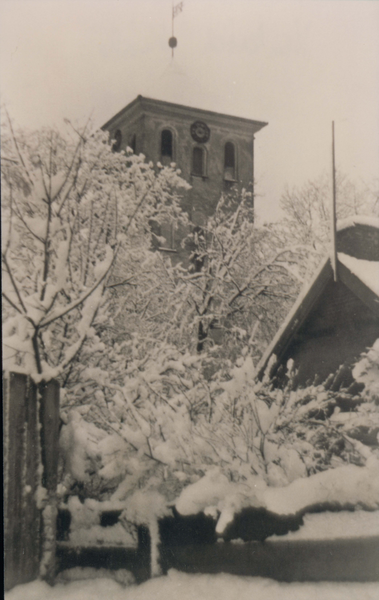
298	65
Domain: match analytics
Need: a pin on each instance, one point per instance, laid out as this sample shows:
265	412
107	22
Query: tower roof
176	87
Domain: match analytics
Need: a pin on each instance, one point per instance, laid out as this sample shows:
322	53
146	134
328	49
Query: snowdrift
345	487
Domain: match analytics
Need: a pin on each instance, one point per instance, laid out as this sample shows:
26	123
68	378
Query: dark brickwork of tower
214	151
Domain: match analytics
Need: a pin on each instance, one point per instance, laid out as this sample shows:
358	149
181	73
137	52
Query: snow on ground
366	270
334	525
181	586
122	576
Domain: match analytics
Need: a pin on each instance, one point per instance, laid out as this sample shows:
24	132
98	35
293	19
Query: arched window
198	161
166	147
230	162
116	146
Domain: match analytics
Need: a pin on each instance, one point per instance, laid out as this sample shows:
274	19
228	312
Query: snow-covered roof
366	270
358	220
357	240
358	236
296	315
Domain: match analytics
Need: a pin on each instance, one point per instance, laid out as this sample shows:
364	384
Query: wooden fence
190	544
30	433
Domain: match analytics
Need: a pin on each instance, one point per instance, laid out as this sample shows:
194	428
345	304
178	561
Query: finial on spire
173	42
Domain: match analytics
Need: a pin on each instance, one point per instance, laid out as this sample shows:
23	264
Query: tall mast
334	211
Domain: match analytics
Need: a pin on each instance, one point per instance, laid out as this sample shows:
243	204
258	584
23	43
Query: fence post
29	437
21	452
49	419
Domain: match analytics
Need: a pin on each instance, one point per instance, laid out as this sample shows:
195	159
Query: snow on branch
71	211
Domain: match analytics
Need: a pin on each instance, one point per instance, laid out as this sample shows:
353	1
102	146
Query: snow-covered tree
307	212
73	211
240	282
243	278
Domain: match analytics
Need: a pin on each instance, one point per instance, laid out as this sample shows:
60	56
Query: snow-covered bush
166	426
241	446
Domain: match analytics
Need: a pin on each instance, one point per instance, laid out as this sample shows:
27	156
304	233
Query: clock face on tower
200	132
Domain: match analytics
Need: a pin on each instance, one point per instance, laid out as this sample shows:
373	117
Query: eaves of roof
169	106
305	303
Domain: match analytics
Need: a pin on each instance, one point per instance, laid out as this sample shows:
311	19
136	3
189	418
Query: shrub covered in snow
223	444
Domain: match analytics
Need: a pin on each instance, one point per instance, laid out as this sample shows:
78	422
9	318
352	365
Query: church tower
169	124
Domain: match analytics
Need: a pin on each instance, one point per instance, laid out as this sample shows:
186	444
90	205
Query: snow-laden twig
58	314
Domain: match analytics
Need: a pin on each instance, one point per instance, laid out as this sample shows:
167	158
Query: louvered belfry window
166	144
198	161
229	162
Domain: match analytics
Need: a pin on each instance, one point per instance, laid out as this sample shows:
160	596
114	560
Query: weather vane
173	42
